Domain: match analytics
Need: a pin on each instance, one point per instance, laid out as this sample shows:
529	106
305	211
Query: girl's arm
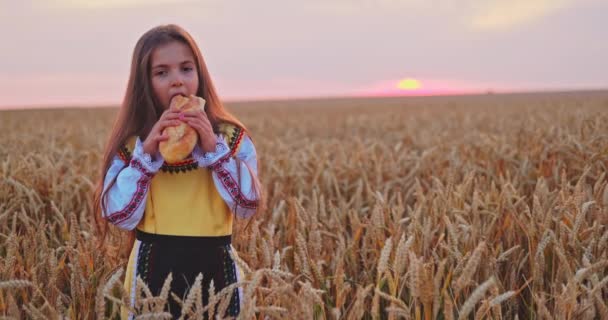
240	197
125	201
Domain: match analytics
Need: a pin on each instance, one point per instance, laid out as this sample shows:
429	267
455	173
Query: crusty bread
182	138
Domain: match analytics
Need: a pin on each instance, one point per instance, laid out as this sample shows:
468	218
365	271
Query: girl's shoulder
233	135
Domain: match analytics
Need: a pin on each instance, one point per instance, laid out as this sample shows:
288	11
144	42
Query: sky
78	52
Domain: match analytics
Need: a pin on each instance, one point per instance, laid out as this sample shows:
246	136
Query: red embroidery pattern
142	185
236	140
135	163
124	154
231	185
187	164
218	164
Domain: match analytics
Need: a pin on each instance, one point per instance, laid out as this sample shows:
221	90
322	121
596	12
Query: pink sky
77	52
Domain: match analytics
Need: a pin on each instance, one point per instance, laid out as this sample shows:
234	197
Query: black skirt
186	257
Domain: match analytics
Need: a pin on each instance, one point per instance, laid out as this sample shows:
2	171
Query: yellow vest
182	198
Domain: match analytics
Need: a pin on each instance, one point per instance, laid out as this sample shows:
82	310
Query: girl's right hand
169	118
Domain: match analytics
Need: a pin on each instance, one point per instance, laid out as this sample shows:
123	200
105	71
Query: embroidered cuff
145	159
207	159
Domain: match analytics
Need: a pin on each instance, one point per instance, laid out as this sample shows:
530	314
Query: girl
181	214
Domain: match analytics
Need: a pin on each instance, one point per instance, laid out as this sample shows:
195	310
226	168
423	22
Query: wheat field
478	207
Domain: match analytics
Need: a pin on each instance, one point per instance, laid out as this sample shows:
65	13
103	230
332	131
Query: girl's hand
198	120
169	118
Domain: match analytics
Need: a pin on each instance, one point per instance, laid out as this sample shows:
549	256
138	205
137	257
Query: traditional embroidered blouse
195	197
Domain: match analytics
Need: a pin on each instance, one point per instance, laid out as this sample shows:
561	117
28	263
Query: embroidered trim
237	274
190	163
235	140
230	277
207	159
220	147
144	265
232	186
218	164
135	163
138	196
124	154
183	166
146	159
186	165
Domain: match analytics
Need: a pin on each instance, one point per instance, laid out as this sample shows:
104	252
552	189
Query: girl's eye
188	69
160	73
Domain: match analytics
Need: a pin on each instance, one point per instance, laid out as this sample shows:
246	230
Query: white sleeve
240	198
125	201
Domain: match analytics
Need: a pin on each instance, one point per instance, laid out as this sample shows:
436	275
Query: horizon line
326	97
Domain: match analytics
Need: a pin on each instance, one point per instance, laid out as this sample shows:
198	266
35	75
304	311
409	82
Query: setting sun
409	84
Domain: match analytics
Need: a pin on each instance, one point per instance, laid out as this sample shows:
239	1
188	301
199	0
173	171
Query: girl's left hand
198	120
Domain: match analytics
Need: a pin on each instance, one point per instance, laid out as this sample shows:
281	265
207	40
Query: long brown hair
141	109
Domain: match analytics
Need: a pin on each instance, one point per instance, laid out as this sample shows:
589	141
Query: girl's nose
177	81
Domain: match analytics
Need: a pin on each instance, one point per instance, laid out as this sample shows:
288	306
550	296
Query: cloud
479	15
503	15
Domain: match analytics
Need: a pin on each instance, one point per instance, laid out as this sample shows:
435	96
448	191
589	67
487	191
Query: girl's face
173	71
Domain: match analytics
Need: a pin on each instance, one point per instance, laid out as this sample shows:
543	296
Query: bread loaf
182	138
